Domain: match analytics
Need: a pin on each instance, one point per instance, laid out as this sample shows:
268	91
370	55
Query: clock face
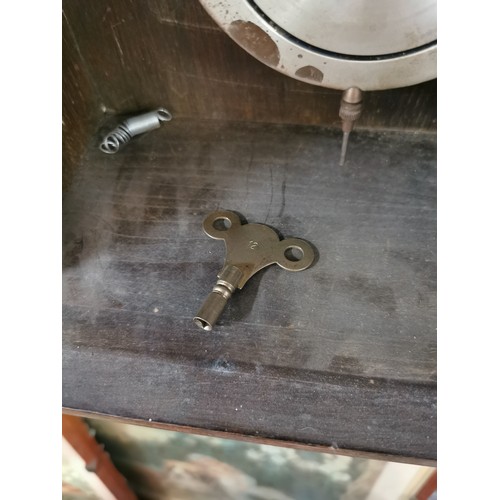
373	45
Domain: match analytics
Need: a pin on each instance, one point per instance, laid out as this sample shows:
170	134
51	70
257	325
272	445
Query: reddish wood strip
96	459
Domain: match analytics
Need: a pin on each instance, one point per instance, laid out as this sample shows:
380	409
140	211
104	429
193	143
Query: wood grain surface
80	105
341	355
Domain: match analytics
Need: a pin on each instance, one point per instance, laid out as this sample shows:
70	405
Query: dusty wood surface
141	55
341	355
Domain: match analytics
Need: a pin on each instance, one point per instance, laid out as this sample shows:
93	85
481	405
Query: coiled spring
131	127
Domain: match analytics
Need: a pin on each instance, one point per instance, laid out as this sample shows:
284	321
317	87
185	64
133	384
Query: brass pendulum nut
351	106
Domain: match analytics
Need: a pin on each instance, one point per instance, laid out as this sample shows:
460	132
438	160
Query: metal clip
249	248
131	127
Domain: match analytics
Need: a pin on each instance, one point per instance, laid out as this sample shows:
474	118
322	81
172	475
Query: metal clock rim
292	57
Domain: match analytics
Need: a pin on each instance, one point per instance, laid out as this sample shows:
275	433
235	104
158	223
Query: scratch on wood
118	43
107	11
272	195
165	20
177	92
283	199
161	15
249	167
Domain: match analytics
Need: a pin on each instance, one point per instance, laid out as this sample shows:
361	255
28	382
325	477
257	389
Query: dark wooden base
340	356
